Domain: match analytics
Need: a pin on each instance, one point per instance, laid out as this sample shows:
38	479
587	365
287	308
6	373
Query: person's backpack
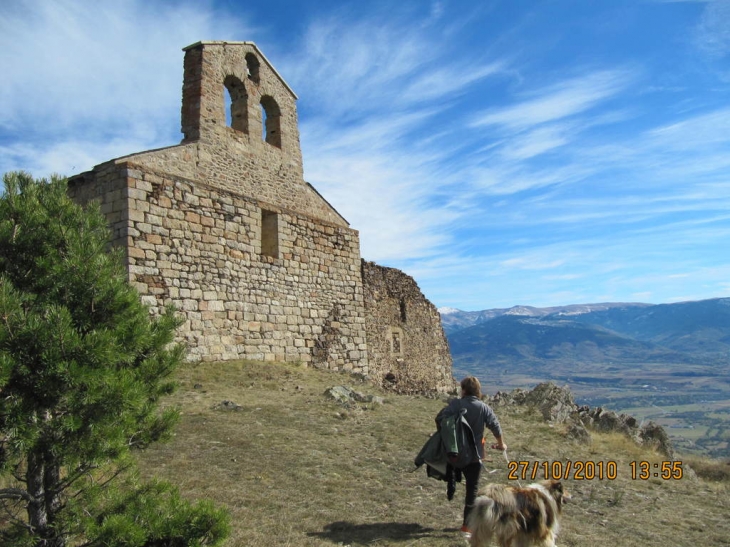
458	440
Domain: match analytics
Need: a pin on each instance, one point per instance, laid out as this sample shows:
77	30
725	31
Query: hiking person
479	416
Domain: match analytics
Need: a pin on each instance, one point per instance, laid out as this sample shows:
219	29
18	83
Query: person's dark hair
471	386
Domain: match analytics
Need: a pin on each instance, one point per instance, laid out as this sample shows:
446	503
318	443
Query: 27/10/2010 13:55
590	470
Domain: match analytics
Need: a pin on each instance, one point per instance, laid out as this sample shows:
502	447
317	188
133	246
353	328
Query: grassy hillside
298	469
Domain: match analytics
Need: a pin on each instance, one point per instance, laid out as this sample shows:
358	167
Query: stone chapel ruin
224	227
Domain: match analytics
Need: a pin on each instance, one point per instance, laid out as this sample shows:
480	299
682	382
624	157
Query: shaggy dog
517	517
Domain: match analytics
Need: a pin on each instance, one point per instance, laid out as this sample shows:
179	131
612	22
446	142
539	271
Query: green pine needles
82	370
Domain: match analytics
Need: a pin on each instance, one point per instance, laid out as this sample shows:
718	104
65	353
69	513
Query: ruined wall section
202	249
407	347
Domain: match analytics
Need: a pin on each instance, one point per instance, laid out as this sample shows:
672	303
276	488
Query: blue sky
502	152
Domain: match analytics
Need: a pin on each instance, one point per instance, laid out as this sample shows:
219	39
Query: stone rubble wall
407	348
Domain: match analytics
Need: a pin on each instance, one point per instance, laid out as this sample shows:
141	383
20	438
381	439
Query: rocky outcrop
577	433
556	404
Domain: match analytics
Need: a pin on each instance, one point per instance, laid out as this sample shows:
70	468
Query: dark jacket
453	443
433	454
478	414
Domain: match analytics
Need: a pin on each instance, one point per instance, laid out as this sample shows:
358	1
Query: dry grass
297	469
710	469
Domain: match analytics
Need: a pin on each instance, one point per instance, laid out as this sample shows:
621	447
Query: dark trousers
471	477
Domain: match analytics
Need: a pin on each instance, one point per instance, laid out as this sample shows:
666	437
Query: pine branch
76	475
118	471
15	494
11	514
18	473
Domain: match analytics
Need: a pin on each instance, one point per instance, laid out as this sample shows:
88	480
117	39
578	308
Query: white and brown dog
517	517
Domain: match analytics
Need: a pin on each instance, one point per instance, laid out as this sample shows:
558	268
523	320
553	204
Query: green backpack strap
448	434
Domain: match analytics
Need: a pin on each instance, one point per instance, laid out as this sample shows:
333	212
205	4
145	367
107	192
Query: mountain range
613	333
669	363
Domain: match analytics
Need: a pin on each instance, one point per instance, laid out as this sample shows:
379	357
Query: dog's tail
482	521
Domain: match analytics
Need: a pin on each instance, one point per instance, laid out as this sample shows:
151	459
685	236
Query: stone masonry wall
108	187
407	347
239	160
199	248
232	165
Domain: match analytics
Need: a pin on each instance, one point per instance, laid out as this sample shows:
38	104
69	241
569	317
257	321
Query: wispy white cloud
65	157
386	198
580	270
563	189
712	34
340	63
445	82
698	132
78	73
378	64
558	101
538	141
368	138
529	263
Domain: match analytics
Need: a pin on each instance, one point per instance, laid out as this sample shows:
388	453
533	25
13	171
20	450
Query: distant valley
669	362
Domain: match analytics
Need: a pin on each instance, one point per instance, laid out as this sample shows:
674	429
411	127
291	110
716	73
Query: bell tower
232	93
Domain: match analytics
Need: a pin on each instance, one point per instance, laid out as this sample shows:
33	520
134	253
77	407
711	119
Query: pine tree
82	370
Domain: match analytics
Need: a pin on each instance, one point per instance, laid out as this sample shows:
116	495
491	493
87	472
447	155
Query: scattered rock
555	403
341	394
360	398
376	400
514	397
227	405
361	377
348	396
609	421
